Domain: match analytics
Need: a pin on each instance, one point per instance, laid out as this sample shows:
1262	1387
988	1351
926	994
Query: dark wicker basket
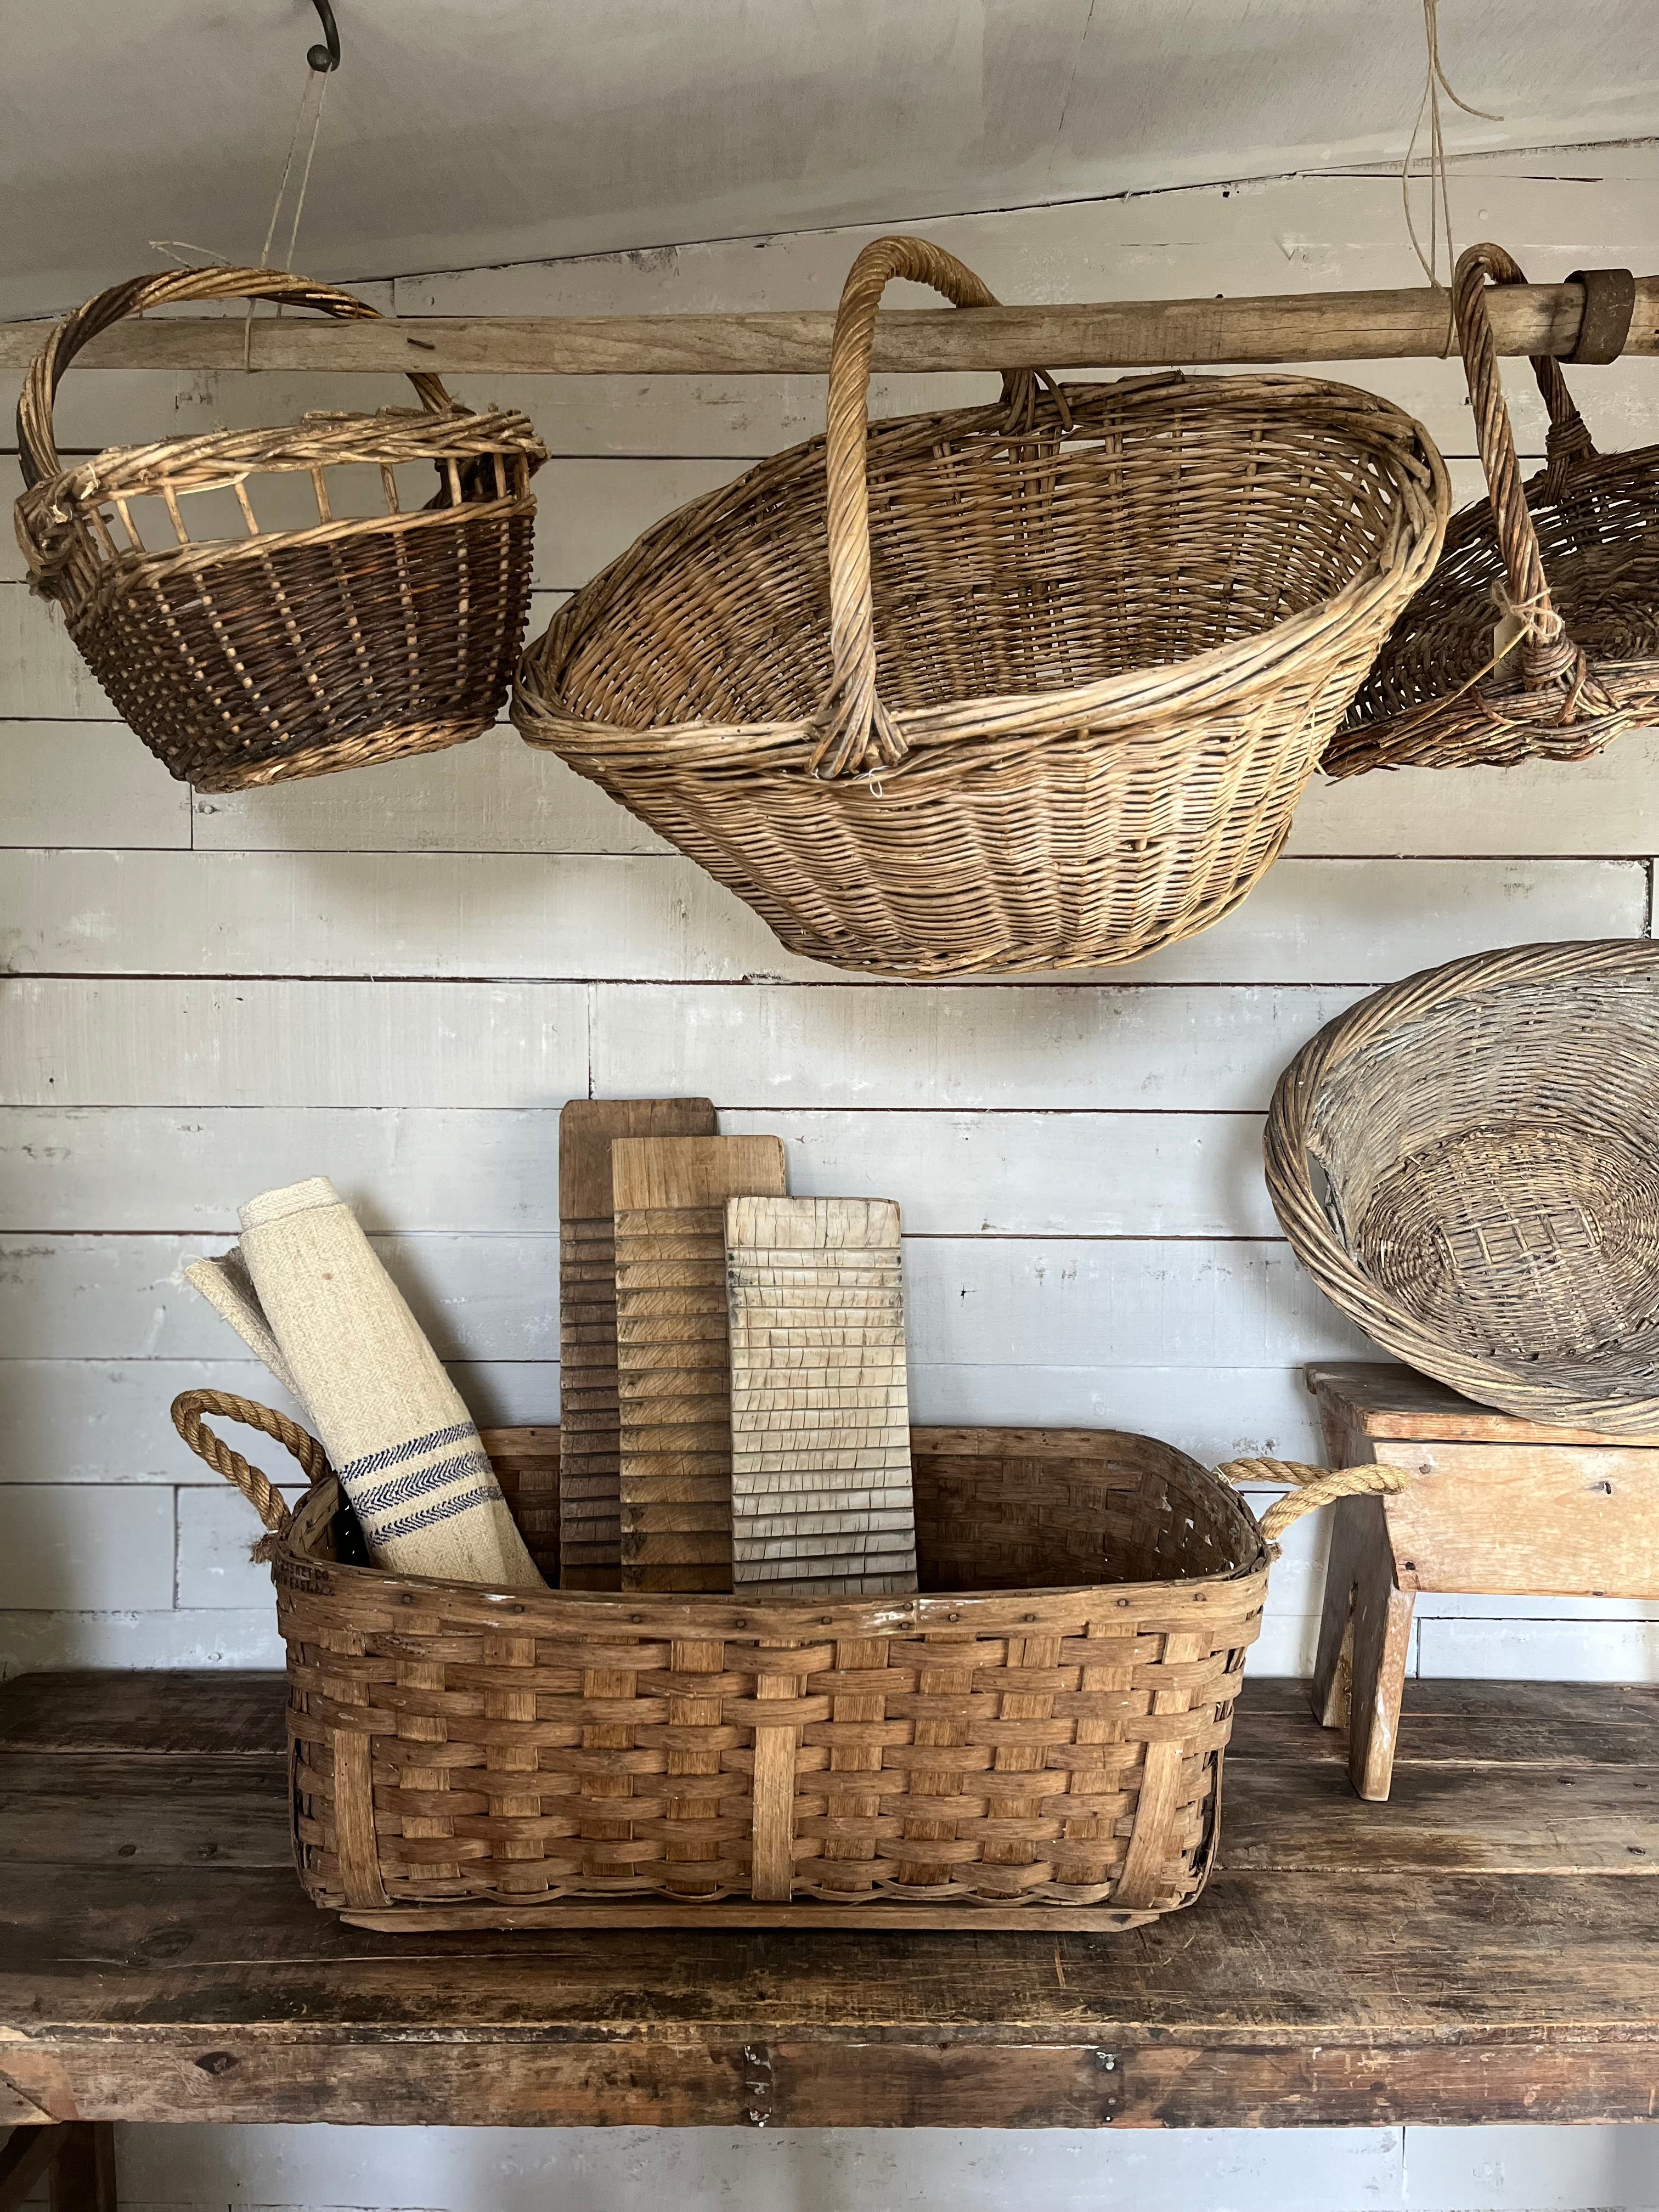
289	652
1035	1741
1574	552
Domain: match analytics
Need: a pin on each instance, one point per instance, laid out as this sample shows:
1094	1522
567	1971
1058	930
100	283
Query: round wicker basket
290	650
1037	1743
1034	685
1573	554
1467	1164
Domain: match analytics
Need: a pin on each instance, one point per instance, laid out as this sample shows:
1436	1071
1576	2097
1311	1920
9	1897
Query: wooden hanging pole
1404	325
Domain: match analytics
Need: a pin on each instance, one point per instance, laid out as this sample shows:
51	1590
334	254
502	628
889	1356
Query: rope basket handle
1311	1486
1548	656
188	1408
854	732
37	446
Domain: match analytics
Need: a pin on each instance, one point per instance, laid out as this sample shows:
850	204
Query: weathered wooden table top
1483	1947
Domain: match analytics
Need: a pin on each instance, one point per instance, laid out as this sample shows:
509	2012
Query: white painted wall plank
217	1531
1012	1173
63	1548
36	1641
493	916
87	783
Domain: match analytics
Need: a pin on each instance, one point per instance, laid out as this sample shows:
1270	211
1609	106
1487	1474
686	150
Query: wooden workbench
1483	1947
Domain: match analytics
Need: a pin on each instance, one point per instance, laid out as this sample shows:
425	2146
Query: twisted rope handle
1311	1486
1548	655
190	1405
853	731
37	446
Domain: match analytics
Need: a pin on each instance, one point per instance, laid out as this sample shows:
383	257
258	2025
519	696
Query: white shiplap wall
396	977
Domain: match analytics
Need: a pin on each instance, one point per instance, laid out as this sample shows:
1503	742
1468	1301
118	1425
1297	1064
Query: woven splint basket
1573	555
1034	685
1034	1742
300	633
1467	1164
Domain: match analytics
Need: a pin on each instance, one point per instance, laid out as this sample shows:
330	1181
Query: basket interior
1493	1167
1146	535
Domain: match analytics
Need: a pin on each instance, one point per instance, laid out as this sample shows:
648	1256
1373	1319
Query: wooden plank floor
1484	1947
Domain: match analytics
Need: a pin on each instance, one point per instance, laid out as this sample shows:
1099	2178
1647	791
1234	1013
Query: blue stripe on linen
385	1494
445	1509
395	1454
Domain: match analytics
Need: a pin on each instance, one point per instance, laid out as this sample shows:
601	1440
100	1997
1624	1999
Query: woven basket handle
37	446
190	1405
1548	656
853	731
1311	1486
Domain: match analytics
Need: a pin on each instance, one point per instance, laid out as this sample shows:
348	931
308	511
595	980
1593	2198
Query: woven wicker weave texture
326	642
1034	685
1488	1135
1574	552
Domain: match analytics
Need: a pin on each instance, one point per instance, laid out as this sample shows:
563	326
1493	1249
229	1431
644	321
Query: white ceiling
460	132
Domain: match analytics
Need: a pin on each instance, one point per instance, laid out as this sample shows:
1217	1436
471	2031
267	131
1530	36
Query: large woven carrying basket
1467	1164
1572	555
1041	1746
327	641
1034	685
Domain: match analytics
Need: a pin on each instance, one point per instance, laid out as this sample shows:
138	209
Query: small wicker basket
1468	1165
1041	1747
293	651
1573	554
1028	686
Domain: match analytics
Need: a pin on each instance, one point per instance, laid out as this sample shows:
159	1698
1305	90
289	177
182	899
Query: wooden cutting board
672	1371
589	1521
821	1491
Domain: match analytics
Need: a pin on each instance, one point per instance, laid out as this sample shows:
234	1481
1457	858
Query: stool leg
1365	1643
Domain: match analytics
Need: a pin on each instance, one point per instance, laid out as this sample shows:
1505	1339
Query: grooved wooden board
673	1371
590	1525
821	1494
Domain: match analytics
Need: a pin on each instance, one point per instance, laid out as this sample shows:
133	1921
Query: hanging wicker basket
1572	556
1037	1744
1468	1165
288	650
1034	685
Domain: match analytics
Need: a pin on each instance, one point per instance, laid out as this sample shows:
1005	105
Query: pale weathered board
590	1511
673	1369
822	1500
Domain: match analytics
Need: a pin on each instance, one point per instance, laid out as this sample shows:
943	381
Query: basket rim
1288	1155
798	1619
1203	684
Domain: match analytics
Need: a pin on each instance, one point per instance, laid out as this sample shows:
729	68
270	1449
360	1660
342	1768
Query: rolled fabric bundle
228	1287
392	1422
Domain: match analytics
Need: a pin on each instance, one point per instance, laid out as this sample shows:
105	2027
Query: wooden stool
1497	1506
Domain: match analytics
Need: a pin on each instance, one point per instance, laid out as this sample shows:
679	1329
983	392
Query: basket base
1029	1919
400	742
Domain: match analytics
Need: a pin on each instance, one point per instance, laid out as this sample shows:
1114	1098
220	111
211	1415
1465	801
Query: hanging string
1434	83
281	193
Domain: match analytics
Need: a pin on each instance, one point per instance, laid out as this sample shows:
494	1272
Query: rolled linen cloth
392	1422
228	1287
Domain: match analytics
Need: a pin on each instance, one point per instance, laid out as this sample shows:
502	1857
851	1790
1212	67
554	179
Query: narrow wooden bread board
822	1500
673	1361
589	1502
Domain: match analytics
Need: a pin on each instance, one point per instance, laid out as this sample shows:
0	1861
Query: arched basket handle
37	446
188	1409
853	731
1310	1488
1548	656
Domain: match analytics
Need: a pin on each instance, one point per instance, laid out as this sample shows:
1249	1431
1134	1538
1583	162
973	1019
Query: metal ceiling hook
325	57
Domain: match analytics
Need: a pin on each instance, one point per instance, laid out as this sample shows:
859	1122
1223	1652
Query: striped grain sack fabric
393	1425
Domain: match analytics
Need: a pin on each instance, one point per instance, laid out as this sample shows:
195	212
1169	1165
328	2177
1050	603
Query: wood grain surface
673	1360
821	1490
1479	1949
590	1511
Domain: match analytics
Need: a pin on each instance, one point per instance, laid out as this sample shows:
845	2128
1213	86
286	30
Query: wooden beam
1414	325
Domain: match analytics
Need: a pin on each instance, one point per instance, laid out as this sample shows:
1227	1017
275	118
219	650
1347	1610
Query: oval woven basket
1034	685
1573	555
290	650
1036	1742
1467	1164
